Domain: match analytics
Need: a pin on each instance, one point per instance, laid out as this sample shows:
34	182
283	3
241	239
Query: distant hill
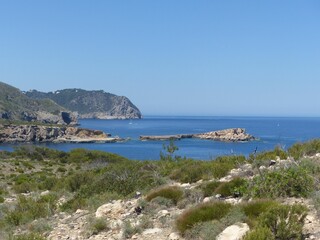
15	105
91	104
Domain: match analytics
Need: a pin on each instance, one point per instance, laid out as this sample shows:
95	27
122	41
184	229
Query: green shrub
286	182
191	197
255	208
81	155
269	155
171	192
309	148
191	172
97	225
260	233
129	230
28	236
209	188
211	229
74	182
316	201
202	213
40	226
285	221
236	187
28	209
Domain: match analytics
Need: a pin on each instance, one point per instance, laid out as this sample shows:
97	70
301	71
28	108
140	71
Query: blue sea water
271	131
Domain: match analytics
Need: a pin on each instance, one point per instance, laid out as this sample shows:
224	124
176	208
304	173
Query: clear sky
170	57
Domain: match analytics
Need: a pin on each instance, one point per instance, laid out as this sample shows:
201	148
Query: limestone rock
150	231
234	232
110	210
174	236
43	133
226	135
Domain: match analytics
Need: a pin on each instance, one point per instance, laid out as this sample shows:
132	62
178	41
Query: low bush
269	155
285	221
191	172
170	192
28	236
209	188
236	187
202	213
211	229
129	230
28	209
97	225
260	233
255	208
285	182
309	148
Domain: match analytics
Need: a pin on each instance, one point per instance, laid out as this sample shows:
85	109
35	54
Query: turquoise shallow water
271	131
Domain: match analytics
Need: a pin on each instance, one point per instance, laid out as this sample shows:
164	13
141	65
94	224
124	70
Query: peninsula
10	133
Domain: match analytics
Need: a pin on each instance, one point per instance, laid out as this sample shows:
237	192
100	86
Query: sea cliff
58	134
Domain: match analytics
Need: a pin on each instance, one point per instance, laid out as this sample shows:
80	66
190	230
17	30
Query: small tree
170	149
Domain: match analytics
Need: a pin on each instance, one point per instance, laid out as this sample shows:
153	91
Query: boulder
111	210
234	232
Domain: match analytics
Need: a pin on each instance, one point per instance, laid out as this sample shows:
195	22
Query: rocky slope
58	134
91	104
158	222
14	105
226	135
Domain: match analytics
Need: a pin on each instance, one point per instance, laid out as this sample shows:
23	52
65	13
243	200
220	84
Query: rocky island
226	135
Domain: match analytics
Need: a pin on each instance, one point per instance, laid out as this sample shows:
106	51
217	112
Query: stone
151	231
208	199
110	210
227	178
174	236
217	196
234	232
163	213
273	162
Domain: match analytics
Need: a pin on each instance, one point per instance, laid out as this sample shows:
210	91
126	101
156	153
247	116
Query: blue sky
170	57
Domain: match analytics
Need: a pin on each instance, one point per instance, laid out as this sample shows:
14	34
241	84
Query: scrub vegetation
37	183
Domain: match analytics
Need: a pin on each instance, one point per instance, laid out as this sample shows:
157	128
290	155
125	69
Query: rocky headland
16	106
91	104
226	135
57	134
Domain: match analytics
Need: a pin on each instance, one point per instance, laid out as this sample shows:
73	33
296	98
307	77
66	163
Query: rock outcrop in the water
57	134
16	106
226	135
91	104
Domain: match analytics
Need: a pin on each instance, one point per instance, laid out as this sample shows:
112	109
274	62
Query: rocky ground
126	221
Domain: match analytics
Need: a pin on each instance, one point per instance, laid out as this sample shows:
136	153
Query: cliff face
58	134
91	104
15	105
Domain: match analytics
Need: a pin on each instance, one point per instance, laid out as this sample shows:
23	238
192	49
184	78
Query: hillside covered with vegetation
91	104
15	105
99	195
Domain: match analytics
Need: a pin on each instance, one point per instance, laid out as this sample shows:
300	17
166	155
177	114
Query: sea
269	131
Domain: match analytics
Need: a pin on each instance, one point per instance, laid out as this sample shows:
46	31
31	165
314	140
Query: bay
271	131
